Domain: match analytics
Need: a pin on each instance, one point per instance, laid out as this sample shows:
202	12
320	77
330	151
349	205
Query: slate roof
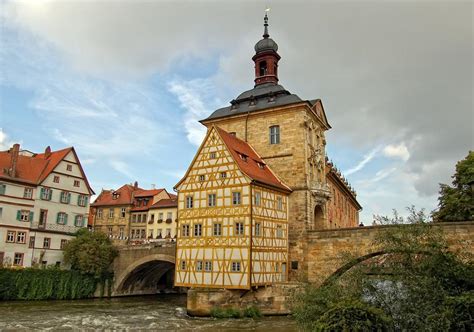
250	162
268	95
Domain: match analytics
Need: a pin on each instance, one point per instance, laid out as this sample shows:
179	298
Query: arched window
262	68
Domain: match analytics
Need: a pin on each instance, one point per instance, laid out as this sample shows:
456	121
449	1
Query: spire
265	24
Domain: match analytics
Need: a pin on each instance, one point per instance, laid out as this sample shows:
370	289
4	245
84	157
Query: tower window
274	134
262	68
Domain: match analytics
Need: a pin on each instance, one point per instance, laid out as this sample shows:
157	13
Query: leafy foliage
456	203
417	283
45	284
225	313
90	253
252	312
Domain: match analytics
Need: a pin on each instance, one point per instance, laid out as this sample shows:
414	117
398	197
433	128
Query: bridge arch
143	275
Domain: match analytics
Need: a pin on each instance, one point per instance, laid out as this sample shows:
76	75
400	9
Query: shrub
225	313
252	312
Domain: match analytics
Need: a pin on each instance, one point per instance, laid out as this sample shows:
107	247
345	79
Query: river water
160	312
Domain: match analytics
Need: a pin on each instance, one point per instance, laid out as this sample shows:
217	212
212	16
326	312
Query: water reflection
146	313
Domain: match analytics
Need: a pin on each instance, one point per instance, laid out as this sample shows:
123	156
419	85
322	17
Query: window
69	167
208	266
46	243
279	203
233	133
185	230
63	244
168	233
152	218
262	68
202	177
257	229
257	198
223	175
11	236
279	231
32	242
121	232
77	183
144	217
24	215
160	216
236	198
274	134
243	157
46	194
239	228
110	229
189	202
65	197
212	155
235	266
111	213
21	237
217	229
122	213
79	221
199	266
56	179
294	265
1	211
211	200
18	259
43	218
99	213
183	265
3	187
134	218
197	230
115	195
28	193
169	216
82	200
61	218
139	218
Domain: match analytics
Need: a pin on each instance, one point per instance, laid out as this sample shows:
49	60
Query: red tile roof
147	193
124	197
36	168
250	162
165	203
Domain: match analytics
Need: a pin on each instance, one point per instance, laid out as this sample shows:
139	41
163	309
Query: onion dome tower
266	58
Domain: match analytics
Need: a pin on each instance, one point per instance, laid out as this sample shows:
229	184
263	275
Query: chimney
15	151
153	186
47	152
135	185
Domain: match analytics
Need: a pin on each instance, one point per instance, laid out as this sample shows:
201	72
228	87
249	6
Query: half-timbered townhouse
232	218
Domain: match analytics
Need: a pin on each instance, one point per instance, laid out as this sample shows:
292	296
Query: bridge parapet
328	250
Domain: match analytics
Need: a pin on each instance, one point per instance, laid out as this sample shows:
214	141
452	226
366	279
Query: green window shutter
18	215
86	200
68	198
57	218
50	194
31	216
41	193
78	199
65	219
2	189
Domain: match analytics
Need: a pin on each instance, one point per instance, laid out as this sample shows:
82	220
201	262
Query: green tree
456	202
90	253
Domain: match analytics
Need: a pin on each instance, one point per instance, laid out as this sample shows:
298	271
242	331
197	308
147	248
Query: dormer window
202	177
243	157
212	155
115	195
262	68
261	165
232	133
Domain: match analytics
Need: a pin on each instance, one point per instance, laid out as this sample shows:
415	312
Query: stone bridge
149	269
144	269
329	250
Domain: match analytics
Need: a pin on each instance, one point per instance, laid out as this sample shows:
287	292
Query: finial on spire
265	24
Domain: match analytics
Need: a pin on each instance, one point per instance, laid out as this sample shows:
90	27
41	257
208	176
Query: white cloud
397	151
4	143
123	168
367	158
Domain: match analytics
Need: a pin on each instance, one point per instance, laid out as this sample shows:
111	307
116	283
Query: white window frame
217	229
21	237
211	200
189	202
239	228
274	134
208	266
258	198
197	230
185	229
199	266
236	198
236	266
258	228
28	193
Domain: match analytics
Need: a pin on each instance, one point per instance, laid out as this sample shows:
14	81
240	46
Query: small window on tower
263	68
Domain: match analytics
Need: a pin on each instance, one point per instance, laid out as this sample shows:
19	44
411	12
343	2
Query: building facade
44	200
163	220
232	218
289	135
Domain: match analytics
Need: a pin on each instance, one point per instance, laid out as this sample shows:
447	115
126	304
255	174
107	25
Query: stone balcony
54	227
320	189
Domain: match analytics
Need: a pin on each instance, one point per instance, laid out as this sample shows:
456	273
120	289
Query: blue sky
125	83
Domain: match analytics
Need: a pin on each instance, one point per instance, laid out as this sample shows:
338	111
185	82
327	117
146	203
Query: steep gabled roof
250	162
165	203
35	168
147	192
124	196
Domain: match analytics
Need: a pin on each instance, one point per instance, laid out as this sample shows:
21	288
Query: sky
125	83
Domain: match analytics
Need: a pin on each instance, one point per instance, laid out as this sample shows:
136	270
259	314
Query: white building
44	200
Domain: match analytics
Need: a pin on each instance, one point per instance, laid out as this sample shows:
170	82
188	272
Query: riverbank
160	312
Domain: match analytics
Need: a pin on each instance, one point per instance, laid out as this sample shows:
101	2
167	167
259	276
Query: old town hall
259	181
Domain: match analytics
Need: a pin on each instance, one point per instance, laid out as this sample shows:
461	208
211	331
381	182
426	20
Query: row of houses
45	199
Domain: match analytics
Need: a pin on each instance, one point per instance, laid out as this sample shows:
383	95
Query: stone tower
289	134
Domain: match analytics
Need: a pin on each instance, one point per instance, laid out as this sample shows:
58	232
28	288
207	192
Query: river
160	312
